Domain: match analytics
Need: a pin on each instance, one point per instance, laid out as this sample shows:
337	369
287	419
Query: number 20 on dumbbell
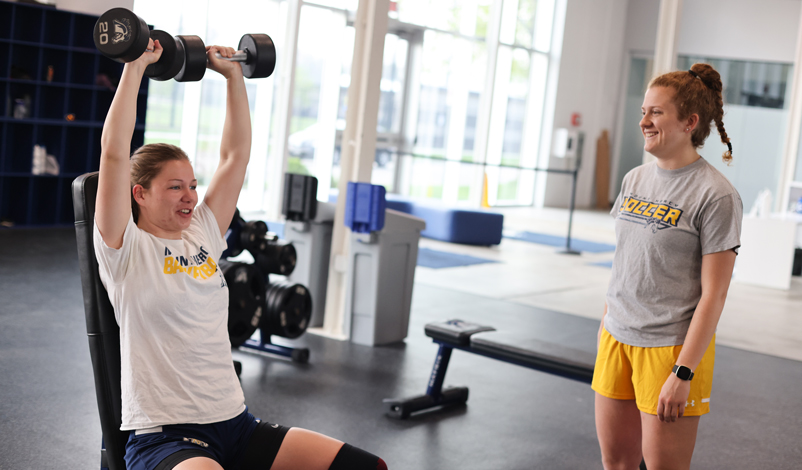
123	36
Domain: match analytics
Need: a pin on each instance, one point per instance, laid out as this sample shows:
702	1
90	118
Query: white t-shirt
171	303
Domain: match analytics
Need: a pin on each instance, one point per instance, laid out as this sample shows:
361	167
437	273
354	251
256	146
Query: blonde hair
146	164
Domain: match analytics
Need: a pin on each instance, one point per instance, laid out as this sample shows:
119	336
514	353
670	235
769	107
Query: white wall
589	83
599	36
641	27
93	7
761	30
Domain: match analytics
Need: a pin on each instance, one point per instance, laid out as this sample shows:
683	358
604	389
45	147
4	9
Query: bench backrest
101	326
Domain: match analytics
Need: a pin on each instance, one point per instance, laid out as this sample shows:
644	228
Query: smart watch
684	373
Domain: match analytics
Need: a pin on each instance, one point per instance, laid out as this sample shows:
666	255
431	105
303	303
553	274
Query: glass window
165	112
392	84
318	90
343	4
164	118
527	23
515	123
746	83
449	60
451	83
391	105
467	17
191	115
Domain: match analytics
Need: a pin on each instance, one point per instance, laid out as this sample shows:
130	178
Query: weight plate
261	55
121	35
289	308
288	257
194	59
277	257
252	236
172	58
246	303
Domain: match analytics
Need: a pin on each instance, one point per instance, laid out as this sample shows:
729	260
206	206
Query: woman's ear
692	121
139	193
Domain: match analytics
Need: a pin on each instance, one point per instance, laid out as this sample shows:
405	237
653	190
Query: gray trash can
381	271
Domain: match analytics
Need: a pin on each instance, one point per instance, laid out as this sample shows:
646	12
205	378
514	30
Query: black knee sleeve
351	458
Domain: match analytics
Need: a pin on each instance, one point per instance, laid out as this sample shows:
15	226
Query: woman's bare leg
668	445
618	426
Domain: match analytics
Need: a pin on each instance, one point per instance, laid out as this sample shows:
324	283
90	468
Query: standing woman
157	251
678	224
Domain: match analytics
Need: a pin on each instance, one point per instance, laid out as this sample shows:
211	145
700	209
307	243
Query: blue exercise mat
435	259
558	241
603	264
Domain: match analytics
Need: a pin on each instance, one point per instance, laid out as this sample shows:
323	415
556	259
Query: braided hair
698	91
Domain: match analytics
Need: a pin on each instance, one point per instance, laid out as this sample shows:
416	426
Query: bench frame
436	396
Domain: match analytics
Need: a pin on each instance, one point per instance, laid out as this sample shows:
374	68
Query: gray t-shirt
666	220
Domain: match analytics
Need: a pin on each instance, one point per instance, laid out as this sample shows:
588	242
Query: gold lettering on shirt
172	265
672	217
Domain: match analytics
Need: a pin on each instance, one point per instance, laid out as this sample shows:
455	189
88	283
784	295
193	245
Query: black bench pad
455	331
536	354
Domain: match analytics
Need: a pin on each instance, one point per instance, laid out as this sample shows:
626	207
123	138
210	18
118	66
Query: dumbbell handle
239	56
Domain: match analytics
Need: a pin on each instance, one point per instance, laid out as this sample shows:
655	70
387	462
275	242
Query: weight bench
104	333
101	327
486	341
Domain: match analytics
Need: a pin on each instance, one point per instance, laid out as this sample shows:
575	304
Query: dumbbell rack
263	344
54	48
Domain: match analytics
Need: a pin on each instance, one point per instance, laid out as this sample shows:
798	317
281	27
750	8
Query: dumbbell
123	36
256	54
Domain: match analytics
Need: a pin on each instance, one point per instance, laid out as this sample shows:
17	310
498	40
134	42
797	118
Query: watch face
682	372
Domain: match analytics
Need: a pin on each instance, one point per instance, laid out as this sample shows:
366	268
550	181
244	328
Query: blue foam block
471	227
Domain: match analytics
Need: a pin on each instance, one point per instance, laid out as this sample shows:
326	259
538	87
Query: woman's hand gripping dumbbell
220	60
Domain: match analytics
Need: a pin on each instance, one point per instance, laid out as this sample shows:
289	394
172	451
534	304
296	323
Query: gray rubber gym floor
516	418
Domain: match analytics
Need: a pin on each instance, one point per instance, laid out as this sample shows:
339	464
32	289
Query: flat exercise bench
486	341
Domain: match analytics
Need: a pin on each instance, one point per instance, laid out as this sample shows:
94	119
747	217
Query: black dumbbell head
121	35
172	58
261	55
194	59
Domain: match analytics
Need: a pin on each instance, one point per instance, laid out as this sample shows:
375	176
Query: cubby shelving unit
48	60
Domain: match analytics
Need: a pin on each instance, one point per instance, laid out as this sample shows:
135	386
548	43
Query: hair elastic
696	75
729	146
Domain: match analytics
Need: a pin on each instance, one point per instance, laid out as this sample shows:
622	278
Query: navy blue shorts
239	443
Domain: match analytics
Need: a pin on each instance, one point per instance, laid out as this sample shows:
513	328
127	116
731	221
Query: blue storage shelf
49	63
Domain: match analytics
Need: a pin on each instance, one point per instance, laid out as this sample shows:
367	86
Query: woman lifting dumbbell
181	399
678	223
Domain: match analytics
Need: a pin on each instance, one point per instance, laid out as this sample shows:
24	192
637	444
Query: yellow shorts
626	372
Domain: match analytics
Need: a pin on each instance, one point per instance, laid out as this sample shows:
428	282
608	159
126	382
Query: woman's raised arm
113	207
235	146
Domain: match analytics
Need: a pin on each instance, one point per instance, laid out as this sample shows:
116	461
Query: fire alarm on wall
576	119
